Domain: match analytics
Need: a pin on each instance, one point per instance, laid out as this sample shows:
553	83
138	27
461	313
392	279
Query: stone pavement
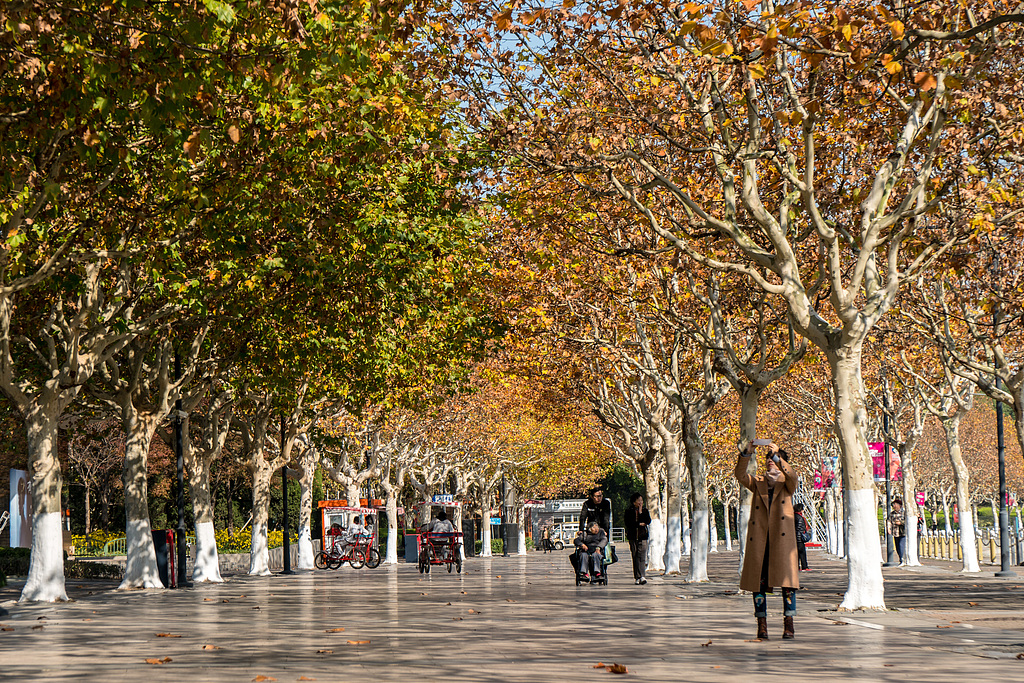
516	619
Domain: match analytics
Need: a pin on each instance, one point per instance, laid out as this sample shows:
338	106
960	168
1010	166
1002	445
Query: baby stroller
602	578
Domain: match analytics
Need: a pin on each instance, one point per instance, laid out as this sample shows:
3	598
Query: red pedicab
335	516
440	548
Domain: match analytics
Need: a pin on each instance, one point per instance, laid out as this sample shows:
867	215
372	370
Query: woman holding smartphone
770	557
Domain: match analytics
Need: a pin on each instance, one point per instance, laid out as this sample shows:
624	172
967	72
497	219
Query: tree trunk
673	524
910	505
864	554
727	524
961	477
749	398
391	510
45	582
656	542
259	554
713	528
140	570
307	461
697	466
485	523
521	524
207	564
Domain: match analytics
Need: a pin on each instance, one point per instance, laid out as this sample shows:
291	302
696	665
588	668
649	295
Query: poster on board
21	509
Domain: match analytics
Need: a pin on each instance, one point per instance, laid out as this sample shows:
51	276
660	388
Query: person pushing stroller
590	553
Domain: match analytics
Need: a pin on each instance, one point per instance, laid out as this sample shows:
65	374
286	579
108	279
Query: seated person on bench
590	546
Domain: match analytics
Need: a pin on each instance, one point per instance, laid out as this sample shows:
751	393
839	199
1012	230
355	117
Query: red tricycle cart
335	516
444	548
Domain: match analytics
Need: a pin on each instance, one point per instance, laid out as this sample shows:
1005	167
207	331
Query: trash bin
512	538
469	537
163	542
412	547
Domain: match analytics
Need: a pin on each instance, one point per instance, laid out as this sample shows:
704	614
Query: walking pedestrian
802	536
897	526
770	557
638	521
596	509
545	538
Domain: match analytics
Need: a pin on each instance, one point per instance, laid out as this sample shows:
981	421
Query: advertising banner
876	450
21	509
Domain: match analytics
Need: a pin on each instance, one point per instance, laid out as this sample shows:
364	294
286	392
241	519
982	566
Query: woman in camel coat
770	554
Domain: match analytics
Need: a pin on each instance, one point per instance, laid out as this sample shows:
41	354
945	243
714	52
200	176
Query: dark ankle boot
762	628
787	628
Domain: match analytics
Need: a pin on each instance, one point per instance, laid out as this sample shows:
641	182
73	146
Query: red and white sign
877	449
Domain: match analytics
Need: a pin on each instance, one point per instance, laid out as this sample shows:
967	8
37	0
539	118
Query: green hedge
14	561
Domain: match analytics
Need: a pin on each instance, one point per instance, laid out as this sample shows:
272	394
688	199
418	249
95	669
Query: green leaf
223	11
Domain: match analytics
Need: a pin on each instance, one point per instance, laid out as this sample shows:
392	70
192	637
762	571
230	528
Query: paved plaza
516	619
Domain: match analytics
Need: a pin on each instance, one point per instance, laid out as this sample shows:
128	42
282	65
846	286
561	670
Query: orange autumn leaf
335	630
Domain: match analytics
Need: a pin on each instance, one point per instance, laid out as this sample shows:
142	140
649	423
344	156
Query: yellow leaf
847	31
757	70
897	29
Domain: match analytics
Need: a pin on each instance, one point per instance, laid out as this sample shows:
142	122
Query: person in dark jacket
638	521
591	550
801	534
596	508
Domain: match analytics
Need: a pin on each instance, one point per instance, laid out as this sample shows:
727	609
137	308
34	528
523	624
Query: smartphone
762	442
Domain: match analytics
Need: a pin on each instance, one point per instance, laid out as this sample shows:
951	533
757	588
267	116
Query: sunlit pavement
516	619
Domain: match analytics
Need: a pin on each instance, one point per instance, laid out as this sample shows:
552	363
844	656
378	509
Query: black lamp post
889	544
179	452
284	505
1004	512
504	516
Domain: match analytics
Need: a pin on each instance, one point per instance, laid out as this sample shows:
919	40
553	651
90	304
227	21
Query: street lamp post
179	452
504	516
889	544
284	506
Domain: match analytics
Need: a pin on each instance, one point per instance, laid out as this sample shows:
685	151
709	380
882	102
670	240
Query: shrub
74	569
14	561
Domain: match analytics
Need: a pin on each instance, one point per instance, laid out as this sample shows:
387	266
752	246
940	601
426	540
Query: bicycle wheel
322	560
336	561
356	558
372	558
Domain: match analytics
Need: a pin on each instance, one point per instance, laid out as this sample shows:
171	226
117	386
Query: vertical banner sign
21	510
877	450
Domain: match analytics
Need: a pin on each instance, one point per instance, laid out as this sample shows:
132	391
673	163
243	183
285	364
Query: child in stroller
588	560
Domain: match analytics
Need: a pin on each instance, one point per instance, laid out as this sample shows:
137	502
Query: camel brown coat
776	527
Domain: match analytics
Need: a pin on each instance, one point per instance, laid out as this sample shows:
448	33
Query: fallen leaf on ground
6	628
41	618
303	678
168	635
973	604
840	623
158	661
224	600
1020	656
335	630
509	600
599	665
618	669
888	665
943	626
464	592
453	619
256	607
37	627
707	644
211	647
325	652
716	667
473	611
207	599
422	593
358	642
263	678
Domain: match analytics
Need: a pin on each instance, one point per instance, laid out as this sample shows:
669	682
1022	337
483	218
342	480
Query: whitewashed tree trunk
697	467
684	522
910	556
521	524
141	569
391	510
485	521
45	582
749	398
961	476
207	563
259	553
864	555
307	474
656	531
727	524
674	520
947	518
713	529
